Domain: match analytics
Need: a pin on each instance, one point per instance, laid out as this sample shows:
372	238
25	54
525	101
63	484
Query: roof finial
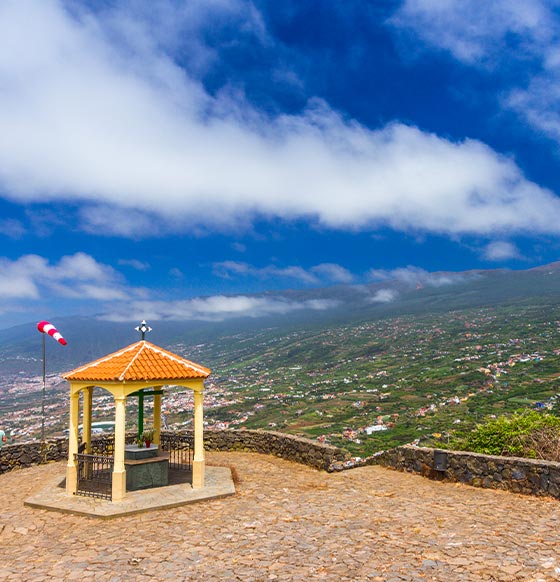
143	328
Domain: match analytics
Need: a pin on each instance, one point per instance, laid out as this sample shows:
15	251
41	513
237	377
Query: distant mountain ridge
410	292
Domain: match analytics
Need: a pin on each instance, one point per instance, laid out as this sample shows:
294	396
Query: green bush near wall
528	434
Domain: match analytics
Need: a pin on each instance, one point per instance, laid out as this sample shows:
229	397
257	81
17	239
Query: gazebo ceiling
141	361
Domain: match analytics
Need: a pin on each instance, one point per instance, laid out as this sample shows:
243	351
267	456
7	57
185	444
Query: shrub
543	443
524	434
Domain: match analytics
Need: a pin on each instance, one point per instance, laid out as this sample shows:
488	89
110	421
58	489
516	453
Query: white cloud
239	247
415	276
332	272
45	221
325	272
500	251
176	273
81	267
77	276
214	308
229	269
475	32
539	102
17	286
12	228
121	131
383	296
135	264
102	293
188	27
497	34
110	220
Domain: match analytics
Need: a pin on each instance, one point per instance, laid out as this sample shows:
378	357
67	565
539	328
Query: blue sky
158	158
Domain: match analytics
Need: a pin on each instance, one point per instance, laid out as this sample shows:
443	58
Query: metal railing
103	445
95	470
95	473
180	449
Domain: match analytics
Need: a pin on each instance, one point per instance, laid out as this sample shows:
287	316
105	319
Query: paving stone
288	522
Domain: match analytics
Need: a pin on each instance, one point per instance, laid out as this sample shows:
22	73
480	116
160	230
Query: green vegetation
365	385
524	434
377	384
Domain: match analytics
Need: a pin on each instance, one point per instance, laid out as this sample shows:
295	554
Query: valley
364	386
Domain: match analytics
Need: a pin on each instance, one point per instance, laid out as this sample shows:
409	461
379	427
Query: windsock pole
44	390
45	328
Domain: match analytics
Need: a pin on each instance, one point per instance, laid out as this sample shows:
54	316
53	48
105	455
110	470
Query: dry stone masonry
528	476
291	448
32	453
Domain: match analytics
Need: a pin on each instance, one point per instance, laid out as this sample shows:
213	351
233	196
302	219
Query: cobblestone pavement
289	522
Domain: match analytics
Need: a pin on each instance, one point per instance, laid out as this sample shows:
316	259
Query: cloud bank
415	276
81	278
383	296
77	276
323	273
214	308
501	251
95	114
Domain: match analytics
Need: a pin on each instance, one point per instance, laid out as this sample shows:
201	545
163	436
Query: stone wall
529	476
291	448
32	453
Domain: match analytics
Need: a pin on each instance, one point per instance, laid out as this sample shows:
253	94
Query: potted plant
140	442
148	437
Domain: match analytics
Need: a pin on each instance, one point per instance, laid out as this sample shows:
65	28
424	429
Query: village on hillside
363	387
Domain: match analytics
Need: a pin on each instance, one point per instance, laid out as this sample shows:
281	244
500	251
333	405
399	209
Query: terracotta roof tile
142	361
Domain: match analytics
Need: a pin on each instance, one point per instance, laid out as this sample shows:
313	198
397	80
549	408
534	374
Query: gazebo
131	371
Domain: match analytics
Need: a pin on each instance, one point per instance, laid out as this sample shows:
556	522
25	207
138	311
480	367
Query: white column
72	466
86	431
198	462
157	416
119	471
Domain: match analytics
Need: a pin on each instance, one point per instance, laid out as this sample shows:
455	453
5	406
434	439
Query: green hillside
363	375
416	376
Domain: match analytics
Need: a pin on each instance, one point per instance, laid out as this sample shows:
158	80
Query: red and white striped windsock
46	327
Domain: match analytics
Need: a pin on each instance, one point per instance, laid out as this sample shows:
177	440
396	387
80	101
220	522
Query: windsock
46	327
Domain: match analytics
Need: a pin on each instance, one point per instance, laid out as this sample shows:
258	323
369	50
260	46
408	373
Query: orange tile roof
142	361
